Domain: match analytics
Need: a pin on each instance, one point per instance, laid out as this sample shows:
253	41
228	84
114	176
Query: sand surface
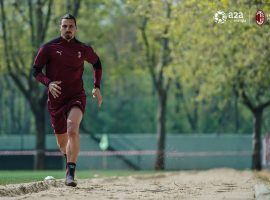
185	185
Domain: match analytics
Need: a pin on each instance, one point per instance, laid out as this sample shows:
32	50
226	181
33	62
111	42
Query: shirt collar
67	42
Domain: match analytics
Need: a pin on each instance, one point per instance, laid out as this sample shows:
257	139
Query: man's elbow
97	65
36	70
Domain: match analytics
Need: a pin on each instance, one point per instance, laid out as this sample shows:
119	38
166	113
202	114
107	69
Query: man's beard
68	35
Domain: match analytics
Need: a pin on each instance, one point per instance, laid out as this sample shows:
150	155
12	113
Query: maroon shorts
59	110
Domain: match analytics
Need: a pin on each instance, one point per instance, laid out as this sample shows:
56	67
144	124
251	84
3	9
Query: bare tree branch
149	57
68	6
168	84
76	7
20	11
39	22
165	51
264	105
246	100
47	20
7	53
16	66
3	17
19	83
32	26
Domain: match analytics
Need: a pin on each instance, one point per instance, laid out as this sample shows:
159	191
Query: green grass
11	177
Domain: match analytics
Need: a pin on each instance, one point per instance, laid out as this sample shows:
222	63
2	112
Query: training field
209	184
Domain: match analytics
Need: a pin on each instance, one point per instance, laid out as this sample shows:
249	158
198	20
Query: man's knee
72	127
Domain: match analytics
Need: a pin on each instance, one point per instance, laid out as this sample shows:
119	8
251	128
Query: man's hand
96	93
55	89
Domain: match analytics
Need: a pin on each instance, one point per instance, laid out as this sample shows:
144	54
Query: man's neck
67	39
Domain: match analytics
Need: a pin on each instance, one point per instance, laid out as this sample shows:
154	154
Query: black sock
71	169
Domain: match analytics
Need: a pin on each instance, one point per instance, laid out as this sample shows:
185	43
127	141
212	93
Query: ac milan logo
79	54
260	17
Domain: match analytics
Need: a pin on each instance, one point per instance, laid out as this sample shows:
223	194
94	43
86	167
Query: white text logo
221	17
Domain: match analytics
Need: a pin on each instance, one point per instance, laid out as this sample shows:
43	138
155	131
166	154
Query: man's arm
40	61
93	58
97	79
97	73
40	76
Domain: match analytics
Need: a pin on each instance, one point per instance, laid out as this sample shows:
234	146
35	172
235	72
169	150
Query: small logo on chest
78	102
79	54
59	52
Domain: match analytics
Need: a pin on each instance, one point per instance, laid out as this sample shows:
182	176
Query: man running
63	59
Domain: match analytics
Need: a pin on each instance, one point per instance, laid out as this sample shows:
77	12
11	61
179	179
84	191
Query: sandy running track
185	185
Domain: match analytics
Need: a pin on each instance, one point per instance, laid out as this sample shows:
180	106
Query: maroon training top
64	62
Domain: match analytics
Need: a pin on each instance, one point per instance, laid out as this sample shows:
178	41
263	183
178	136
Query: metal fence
183	151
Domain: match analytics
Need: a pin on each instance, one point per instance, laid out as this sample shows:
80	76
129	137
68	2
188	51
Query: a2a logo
221	17
235	15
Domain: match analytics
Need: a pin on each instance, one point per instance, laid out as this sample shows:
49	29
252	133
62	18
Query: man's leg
73	144
62	140
73	125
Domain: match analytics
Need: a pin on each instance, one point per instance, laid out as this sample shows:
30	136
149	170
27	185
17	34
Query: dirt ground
185	185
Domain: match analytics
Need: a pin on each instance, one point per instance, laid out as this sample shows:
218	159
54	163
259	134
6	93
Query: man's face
68	28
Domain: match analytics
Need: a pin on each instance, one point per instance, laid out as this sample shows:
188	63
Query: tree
154	20
234	63
37	18
34	16
248	73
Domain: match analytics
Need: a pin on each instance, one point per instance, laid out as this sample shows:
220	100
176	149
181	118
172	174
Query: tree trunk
73	7
236	115
192	115
39	113
68	6
256	155
161	130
